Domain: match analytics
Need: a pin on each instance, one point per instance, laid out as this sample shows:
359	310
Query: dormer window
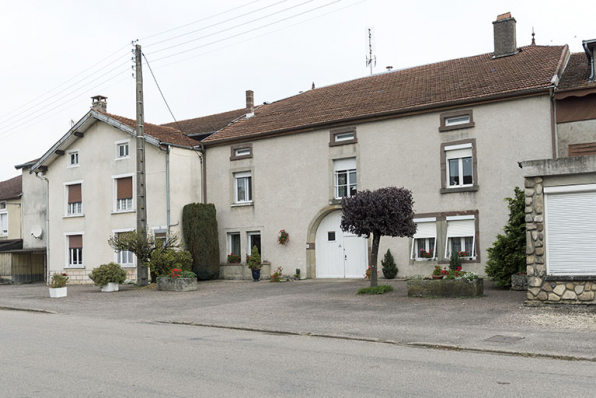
73	159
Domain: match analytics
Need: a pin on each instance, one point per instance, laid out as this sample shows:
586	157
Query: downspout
204	170
42	177
168	191
553	123
588	48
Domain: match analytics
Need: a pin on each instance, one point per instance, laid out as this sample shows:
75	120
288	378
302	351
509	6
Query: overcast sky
206	54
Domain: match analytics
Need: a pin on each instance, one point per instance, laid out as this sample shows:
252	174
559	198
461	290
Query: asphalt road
57	355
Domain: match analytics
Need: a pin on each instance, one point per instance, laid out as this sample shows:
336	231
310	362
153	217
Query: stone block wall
542	288
80	276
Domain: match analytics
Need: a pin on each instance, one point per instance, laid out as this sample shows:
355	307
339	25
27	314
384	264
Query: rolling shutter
74	193
571	233
124	188
344	164
460	228
426	229
75	241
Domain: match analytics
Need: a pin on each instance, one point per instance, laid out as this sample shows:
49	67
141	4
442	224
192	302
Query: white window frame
249	244
414	255
231	243
120	143
69	164
119	254
463	238
347	136
4	213
67	236
70	207
347	166
242	152
459	152
244	175
115	200
457	120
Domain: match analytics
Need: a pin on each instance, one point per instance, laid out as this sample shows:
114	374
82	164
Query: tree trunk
374	256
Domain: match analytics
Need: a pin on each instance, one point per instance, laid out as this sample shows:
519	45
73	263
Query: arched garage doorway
339	254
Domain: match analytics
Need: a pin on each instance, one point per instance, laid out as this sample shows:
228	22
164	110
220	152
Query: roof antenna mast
370	58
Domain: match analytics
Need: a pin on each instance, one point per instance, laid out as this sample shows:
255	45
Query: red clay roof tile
11	189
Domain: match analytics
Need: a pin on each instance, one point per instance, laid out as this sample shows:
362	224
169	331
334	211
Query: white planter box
57	292
110	287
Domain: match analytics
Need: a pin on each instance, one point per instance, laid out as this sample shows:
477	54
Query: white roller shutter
571	233
344	164
460	228
426	230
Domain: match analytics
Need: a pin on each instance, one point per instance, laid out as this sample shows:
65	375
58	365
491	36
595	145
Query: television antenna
371	60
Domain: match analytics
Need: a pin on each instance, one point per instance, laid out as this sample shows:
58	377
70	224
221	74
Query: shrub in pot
108	276
254	263
58	285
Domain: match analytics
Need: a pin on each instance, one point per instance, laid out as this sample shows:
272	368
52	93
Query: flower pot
110	287
57	292
437	276
256	275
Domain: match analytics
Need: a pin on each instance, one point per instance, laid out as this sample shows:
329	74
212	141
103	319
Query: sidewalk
496	322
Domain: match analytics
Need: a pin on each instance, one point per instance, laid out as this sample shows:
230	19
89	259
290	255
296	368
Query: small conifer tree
454	262
389	267
254	262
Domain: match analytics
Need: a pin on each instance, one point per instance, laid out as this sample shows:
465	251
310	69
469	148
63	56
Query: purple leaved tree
383	212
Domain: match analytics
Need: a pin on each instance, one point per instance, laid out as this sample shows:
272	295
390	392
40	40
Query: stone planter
110	287
168	284
519	282
242	272
445	288
57	292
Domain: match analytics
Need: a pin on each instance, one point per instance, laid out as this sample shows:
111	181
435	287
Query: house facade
452	132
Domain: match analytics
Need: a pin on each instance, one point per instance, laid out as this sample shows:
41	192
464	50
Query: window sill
74	215
472	188
123	158
123	212
75	267
456	127
73	166
570	278
423	259
242	204
127	266
464	260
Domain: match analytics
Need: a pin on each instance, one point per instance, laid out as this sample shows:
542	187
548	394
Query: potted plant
58	285
437	273
233	259
254	263
108	276
283	237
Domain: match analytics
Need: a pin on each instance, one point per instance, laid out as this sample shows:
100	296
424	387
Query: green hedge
199	225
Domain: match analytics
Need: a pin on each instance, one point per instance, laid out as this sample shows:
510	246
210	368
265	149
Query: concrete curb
26	310
432	346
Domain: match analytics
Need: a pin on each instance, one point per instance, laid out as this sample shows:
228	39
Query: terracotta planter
437	276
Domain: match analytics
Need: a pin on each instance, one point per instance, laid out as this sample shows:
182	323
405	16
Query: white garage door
570	216
339	254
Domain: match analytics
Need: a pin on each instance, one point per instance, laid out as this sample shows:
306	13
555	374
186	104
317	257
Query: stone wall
81	276
543	288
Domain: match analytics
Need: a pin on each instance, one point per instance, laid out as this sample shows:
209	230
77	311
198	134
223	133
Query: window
241	151
234	242
461	236
122	150
75	200
345	177
124	194
343	136
456	120
73	158
125	258
254	239
425	243
4	222
2	205
160	237
75	250
331	236
243	187
460	171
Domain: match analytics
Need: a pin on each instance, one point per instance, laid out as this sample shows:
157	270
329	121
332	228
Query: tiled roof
427	86
11	189
207	124
161	133
576	73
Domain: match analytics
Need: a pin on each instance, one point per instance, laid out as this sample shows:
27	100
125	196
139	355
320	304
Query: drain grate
504	339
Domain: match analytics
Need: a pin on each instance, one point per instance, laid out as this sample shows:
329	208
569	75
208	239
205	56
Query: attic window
456	120
2	205
241	151
343	136
73	159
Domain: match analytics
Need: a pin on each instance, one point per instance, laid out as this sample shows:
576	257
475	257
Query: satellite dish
36	231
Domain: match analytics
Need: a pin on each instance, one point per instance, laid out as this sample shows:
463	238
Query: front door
339	254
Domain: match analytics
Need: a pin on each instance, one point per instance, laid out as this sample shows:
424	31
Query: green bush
388	263
380	289
199	225
163	261
254	262
508	254
107	273
58	280
454	262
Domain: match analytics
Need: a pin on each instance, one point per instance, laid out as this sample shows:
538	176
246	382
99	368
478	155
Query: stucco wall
34	210
581	132
293	177
97	168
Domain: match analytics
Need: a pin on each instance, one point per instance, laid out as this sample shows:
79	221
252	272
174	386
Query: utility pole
142	272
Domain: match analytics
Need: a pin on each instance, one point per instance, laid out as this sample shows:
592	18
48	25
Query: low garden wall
445	287
242	272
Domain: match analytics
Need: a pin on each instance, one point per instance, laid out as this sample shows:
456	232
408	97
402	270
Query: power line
215	24
233	27
248	31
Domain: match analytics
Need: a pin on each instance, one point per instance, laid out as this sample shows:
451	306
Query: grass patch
381	289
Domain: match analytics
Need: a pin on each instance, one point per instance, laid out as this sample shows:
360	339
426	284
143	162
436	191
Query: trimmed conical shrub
199	226
389	267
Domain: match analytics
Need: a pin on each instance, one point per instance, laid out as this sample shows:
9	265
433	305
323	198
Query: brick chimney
250	101
99	103
505	37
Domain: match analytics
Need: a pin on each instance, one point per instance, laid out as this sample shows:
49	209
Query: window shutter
75	241
74	193
460	228
124	188
344	164
242	175
570	233
458	153
426	230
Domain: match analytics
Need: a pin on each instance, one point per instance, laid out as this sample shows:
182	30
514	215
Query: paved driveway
498	321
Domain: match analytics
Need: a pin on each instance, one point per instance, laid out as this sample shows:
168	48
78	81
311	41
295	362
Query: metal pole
142	272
